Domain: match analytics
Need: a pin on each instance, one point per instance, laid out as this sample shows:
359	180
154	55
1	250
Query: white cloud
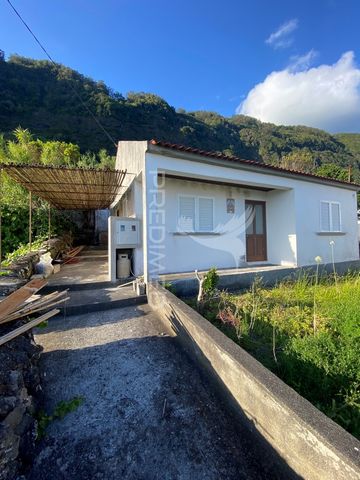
299	63
326	97
281	38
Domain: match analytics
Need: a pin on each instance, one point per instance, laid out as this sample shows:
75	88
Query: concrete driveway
147	412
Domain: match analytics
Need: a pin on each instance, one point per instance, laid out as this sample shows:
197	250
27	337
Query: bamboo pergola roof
69	188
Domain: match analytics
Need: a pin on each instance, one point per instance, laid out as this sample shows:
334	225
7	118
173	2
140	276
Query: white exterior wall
228	249
131	205
223	250
309	243
293	217
281	227
130	157
292	214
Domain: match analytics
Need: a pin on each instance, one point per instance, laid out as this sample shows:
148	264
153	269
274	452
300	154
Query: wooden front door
255	231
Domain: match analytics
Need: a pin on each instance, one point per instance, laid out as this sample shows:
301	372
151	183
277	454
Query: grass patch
60	411
307	332
22	250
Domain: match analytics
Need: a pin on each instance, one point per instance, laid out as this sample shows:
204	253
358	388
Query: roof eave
237	164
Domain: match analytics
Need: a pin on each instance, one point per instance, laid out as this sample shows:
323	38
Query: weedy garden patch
306	331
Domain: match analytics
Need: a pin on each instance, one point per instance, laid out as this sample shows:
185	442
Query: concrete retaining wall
312	445
187	287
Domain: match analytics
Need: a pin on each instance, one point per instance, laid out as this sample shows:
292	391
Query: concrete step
92	258
73	287
96	300
93	253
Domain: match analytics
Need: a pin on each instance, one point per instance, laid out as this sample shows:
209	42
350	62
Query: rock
15	381
25	425
19	381
14	418
6	405
9	444
57	268
24	266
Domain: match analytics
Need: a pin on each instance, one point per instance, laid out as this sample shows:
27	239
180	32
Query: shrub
277	327
211	281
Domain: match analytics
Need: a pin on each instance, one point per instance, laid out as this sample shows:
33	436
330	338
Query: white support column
111	250
154	223
146	184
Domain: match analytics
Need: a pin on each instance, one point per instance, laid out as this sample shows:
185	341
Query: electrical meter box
127	232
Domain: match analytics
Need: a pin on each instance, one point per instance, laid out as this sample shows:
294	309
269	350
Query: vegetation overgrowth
23	148
307	331
41	96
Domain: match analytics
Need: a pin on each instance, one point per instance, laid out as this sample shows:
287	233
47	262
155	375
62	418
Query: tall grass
277	326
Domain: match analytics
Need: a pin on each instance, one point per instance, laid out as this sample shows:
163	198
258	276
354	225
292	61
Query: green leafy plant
210	283
169	286
60	411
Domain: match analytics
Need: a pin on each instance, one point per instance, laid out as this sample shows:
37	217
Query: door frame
263	203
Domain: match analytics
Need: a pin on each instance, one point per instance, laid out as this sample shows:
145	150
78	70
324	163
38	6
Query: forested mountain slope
41	97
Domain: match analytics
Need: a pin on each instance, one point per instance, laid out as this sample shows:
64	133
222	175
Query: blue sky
203	54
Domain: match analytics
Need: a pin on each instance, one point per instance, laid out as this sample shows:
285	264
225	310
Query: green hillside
40	97
352	142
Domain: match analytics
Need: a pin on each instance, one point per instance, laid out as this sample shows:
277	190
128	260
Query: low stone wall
312	445
19	384
19	373
186	287
21	270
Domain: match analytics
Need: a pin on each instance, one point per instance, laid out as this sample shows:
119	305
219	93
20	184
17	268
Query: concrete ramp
147	413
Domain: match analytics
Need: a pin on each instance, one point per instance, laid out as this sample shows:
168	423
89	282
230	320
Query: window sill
186	234
330	234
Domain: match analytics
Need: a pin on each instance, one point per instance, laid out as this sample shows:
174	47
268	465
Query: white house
182	209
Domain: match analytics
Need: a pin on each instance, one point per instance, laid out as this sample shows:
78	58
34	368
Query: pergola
66	188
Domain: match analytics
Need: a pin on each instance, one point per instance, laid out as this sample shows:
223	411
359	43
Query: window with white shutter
335	217
206	214
186	221
196	214
330	217
325	216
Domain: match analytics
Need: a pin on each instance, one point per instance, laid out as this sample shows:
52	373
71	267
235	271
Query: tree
60	153
298	161
2	56
106	160
332	171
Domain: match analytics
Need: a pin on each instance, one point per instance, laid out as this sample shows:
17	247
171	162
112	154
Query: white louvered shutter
335	217
206	214
325	216
186	221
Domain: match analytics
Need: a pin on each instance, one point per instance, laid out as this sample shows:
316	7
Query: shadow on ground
147	413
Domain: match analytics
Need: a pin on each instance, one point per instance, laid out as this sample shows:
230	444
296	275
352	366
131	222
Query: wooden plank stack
24	303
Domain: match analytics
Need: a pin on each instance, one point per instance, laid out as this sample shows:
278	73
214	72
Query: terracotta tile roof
261	166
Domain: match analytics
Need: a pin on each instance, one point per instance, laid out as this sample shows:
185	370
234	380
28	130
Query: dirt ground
147	412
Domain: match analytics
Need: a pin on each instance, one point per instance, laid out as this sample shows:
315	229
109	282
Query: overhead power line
55	64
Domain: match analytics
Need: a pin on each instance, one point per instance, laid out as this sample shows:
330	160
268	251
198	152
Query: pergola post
30	220
49	223
1	191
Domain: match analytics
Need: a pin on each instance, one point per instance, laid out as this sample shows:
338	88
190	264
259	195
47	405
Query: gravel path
147	412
